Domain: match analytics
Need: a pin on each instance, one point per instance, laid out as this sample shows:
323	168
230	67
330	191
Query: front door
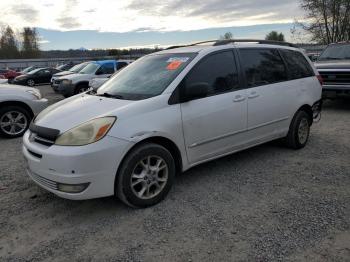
215	124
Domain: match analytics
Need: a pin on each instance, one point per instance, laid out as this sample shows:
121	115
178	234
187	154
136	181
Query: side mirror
196	91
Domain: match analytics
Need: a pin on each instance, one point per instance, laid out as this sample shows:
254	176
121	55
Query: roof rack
232	41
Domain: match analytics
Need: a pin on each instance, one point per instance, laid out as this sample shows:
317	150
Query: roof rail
232	41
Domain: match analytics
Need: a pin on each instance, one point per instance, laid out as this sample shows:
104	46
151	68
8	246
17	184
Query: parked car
77	83
55	80
9	74
168	112
3	80
96	83
334	67
18	106
36	77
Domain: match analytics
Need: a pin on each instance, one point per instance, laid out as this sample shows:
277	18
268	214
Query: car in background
334	66
65	67
9	74
168	112
77	83
36	77
95	83
55	80
18	106
3	80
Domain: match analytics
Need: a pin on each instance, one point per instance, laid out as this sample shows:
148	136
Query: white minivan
170	111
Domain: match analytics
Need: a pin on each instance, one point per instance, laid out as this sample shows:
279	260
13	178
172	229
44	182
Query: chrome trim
236	132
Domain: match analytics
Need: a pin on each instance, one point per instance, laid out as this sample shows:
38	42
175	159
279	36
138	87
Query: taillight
320	79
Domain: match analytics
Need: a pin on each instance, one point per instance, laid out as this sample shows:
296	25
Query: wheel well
307	109
169	145
78	85
17	103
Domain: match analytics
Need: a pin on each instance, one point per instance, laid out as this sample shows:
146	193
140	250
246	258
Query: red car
9	74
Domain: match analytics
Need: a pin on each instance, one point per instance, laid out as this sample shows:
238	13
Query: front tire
14	121
299	131
30	82
146	176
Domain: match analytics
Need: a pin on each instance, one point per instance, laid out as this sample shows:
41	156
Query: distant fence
19	64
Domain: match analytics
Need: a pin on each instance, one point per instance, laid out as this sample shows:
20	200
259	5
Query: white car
18	106
168	112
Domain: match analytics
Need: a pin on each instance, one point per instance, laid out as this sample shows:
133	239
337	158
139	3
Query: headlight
35	93
87	133
66	82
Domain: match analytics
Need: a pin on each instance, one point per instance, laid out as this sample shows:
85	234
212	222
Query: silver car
18	106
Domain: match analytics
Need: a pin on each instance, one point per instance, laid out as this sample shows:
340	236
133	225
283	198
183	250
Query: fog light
72	188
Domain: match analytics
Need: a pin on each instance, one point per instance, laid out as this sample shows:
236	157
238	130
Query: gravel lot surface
268	203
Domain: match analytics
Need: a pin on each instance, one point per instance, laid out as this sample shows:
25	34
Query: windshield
147	77
90	69
336	52
61	67
28	69
77	68
34	71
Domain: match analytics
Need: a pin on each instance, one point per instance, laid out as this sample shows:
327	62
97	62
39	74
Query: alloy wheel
149	177
13	123
303	131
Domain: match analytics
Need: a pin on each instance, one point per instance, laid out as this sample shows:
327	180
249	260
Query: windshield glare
147	77
34	71
90	68
77	68
336	52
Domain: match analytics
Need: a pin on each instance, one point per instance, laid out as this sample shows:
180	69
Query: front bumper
19	82
38	105
95	164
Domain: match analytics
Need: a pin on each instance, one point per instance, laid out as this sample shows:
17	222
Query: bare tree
327	21
30	44
8	44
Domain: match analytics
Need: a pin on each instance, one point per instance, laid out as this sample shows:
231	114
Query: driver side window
217	71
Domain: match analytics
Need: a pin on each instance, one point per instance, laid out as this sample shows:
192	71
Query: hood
22	76
6	88
64	73
333	64
78	109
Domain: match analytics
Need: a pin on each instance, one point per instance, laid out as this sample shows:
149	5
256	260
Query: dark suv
334	67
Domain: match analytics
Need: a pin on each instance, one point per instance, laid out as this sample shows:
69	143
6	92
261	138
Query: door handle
253	95
239	98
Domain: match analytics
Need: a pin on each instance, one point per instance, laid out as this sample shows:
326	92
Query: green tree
327	21
8	44
227	36
275	36
30	44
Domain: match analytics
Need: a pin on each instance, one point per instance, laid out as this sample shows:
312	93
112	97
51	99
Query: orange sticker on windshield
174	65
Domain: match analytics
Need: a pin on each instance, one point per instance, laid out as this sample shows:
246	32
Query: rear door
270	95
43	76
213	125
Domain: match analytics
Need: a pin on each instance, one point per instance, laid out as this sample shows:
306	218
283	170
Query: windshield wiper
111	95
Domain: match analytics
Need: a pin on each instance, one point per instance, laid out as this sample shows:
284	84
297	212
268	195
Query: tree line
24	44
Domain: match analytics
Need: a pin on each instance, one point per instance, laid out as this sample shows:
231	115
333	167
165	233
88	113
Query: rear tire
299	131
14	121
145	176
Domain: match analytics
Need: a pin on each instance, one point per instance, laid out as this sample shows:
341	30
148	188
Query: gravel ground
268	203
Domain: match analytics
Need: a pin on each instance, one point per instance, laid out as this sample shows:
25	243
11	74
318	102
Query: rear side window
297	64
121	65
107	68
263	66
219	71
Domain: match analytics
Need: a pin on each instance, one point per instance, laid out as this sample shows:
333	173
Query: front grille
57	82
43	181
43	141
335	78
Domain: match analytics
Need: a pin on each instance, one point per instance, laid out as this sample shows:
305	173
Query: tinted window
121	65
263	66
106	69
298	66
219	71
